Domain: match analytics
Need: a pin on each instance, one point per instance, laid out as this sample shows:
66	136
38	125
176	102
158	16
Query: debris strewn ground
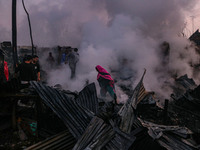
43	117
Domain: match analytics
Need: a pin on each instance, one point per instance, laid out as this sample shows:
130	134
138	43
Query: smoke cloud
106	32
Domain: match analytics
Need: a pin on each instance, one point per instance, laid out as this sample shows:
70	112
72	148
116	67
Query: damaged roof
75	117
122	129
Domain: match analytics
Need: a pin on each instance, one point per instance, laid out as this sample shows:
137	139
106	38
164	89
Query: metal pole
14	32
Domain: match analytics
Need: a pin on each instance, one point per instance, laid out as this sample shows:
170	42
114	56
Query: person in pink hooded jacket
106	83
4	72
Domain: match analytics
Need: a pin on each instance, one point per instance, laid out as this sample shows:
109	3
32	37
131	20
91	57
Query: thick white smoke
107	31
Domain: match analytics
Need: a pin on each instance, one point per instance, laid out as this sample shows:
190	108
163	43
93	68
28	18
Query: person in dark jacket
51	60
106	83
36	68
73	59
26	71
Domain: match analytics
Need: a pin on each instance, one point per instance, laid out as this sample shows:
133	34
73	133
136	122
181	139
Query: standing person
59	57
4	73
36	68
26	71
65	55
50	60
73	59
106	83
67	52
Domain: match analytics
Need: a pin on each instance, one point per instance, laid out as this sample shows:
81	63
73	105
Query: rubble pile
51	118
114	127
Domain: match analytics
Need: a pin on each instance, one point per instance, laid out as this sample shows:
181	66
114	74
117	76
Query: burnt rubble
57	119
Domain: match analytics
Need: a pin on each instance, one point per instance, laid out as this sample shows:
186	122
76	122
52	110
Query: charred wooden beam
165	111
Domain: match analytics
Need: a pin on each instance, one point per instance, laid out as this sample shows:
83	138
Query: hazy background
106	31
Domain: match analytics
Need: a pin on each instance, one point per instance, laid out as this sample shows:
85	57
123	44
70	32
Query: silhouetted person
36	64
73	59
59	56
26	71
4	73
50	60
65	55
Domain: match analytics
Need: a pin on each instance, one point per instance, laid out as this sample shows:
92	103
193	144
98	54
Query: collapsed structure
68	120
60	119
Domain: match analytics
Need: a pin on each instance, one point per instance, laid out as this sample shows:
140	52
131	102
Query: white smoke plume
107	31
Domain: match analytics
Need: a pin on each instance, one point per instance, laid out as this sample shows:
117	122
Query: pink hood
103	73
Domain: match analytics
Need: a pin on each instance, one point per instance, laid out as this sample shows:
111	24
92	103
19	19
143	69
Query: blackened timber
165	113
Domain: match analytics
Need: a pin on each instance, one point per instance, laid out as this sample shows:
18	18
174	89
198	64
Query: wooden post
14	121
165	113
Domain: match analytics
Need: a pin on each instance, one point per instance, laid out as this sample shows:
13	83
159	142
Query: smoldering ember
91	75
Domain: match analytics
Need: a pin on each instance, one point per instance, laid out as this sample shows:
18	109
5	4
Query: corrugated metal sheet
127	111
171	137
88	98
75	117
101	135
97	134
116	132
120	141
186	82
63	140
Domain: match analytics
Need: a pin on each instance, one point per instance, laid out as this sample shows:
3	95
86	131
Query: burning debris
82	121
60	119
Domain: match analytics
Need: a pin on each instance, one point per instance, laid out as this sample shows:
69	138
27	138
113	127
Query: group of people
70	56
29	70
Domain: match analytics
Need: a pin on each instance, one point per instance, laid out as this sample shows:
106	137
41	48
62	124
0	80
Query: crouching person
106	83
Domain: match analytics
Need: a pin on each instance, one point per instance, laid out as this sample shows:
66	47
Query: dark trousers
73	70
110	90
